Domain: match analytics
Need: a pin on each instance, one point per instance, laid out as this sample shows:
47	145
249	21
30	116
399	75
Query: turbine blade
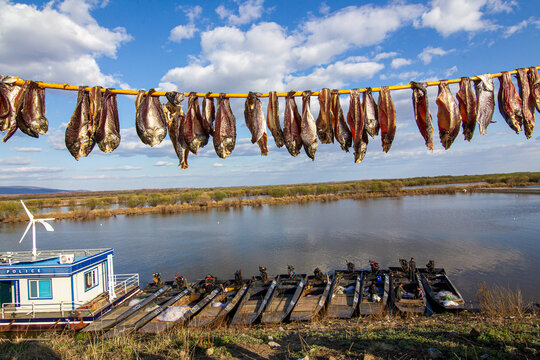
48	227
25	231
27	211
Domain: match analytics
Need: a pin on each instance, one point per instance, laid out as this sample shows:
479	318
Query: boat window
40	289
90	279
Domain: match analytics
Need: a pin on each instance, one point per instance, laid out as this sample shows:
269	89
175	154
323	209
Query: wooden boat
284	298
312	299
182	310
254	301
440	289
381	279
413	300
344	294
215	313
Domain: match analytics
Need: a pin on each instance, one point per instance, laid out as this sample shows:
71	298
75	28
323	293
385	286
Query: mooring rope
47	85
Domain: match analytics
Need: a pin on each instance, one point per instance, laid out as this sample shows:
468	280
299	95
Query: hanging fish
95	95
272	117
387	118
175	119
356	120
225	128
370	112
292	125
15	94
255	121
208	114
485	102
341	130
510	102
308	129
5	107
193	132
31	118
527	102
325	132
467	107
534	83
447	115
79	131
107	133
422	115
150	120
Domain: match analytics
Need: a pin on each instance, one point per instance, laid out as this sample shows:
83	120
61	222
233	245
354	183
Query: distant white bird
32	224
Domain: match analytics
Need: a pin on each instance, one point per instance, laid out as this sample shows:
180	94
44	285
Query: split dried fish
15	95
208	114
175	119
534	83
467	107
370	113
485	102
341	130
447	115
79	137
5	107
308	128
95	96
528	102
107	133
193	132
225	128
150	120
325	132
422	115
272	118
292	125
31	119
356	120
387	118
510	102
255	121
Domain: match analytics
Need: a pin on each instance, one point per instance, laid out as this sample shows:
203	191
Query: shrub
218	195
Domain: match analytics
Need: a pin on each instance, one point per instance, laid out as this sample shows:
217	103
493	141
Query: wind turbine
32	224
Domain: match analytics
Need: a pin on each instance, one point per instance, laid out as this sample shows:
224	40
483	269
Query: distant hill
12	190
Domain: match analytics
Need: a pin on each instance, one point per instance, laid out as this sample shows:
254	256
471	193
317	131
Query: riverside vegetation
88	205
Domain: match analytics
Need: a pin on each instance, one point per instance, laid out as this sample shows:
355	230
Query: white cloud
16	161
32	169
385	55
121	168
181	32
324	8
217	165
192	13
427	54
57	43
27	149
498	6
399	62
451	71
248	11
511	30
163	163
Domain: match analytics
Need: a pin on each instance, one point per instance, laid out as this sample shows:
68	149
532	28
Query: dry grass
500	301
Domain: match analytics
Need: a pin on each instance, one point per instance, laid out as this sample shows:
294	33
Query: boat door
5	292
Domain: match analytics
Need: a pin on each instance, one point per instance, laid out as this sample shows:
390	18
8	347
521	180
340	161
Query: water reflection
476	237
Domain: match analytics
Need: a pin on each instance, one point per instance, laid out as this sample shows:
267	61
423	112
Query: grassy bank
104	204
440	336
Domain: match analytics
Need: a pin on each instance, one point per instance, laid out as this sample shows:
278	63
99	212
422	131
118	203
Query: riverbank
445	336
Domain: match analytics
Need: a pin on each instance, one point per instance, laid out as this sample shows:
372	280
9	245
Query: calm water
476	237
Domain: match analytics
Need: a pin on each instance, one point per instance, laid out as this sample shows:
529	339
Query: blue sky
257	45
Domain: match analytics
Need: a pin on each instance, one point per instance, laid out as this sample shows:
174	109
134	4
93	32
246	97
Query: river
475	237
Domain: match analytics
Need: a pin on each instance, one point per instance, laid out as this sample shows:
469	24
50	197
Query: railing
123	282
63	307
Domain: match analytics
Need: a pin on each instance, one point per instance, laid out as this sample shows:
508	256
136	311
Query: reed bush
499	301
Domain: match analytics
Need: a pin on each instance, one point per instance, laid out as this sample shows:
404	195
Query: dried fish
175	120
447	115
225	128
79	137
292	125
308	128
208	114
421	112
325	132
356	120
528	102
510	102
15	95
272	117
341	130
5	107
95	96
387	118
485	102
255	121
31	120
150	120
467	107
370	113
193	132
534	83
107	133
